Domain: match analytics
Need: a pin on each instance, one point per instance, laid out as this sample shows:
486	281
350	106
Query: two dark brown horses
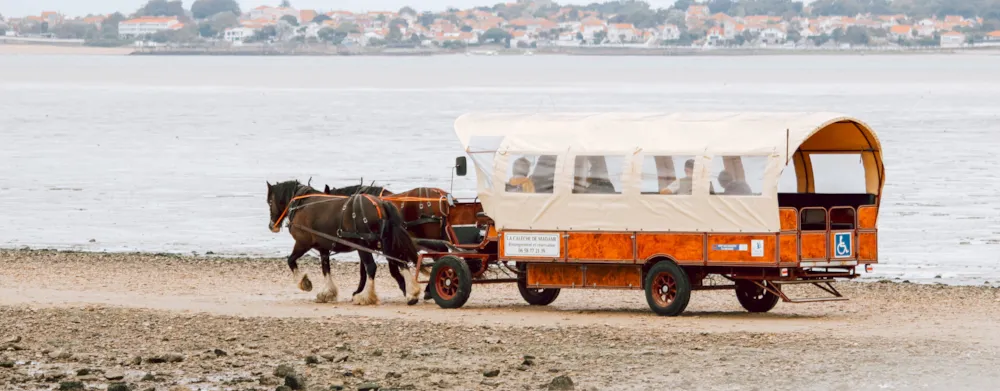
360	219
424	209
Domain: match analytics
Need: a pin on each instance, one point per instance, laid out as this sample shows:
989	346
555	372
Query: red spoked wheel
754	298
534	296
668	289
452	282
447	283
664	289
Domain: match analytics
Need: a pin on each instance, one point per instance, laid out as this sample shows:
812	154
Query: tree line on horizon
990	9
208	18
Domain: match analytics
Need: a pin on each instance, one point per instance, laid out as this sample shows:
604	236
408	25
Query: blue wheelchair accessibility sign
842	245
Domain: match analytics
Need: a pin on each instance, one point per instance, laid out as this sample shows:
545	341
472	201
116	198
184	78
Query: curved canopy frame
780	137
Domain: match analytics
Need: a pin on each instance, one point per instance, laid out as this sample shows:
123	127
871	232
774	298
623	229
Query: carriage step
825	285
793	282
817	299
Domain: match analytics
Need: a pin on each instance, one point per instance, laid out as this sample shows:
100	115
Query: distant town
529	25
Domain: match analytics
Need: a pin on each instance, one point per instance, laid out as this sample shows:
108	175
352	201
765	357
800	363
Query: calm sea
171	153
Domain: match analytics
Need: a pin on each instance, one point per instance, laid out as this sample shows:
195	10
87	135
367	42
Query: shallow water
171	153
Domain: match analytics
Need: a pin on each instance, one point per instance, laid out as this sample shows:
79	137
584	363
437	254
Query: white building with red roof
147	25
622	33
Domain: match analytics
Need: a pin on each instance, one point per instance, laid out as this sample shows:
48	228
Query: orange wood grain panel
789	248
789	219
613	276
600	247
867	217
555	275
683	248
740	256
462	214
813	246
867	246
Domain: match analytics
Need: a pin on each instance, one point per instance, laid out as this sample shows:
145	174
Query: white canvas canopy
493	140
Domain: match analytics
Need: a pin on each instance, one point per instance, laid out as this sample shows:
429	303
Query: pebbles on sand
295	382
424	349
561	383
284	370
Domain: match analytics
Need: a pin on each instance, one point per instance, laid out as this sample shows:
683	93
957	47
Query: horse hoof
412	302
326	297
363	300
305	285
427	296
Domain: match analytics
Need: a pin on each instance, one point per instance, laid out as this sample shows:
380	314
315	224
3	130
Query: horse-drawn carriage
659	202
653	202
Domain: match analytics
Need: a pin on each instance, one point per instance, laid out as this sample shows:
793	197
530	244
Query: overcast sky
20	8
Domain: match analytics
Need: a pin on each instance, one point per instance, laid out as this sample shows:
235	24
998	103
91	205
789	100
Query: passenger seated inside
592	176
519	181
544	175
733	186
682	186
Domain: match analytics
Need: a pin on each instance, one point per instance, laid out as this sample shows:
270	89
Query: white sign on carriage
757	248
531	244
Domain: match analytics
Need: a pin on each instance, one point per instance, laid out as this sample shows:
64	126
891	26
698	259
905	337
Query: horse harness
424	200
357	209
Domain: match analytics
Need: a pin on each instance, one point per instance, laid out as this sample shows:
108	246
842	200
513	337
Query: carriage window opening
838	173
738	175
842	218
481	151
813	219
668	175
598	174
789	183
531	174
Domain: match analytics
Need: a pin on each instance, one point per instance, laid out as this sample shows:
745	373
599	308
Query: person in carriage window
592	176
682	186
519	181
599	182
544	176
733	186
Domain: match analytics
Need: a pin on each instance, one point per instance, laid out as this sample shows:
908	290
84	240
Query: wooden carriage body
613	194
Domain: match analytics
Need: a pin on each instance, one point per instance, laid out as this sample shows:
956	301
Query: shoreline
34	48
352	260
602	52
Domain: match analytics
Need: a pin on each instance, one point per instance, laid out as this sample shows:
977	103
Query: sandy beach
27	49
153	322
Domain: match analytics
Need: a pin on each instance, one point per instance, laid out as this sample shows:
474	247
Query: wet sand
220	323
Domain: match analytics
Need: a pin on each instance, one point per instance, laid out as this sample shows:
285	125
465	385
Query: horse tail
395	239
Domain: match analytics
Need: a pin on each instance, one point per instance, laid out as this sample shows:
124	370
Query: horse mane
287	190
358	189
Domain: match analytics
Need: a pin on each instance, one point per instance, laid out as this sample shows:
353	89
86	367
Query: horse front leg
298	277
330	293
367	296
